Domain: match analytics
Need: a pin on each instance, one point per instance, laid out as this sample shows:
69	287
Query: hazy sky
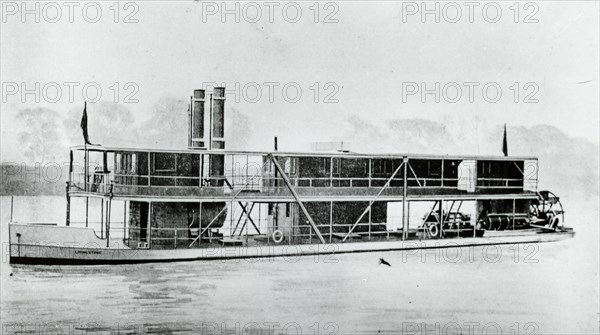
371	57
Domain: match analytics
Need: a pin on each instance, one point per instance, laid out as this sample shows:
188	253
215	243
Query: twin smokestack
216	129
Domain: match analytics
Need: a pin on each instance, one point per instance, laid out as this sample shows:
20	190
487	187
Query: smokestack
197	119
218	118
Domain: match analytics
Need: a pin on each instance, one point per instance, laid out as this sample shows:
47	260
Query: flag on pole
505	143
84	125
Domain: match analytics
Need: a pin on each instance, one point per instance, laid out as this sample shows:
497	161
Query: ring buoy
433	230
277	236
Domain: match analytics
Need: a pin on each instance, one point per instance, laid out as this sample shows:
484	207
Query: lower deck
160	225
29	244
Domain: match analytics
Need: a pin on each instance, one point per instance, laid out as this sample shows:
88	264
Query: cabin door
467	175
144	221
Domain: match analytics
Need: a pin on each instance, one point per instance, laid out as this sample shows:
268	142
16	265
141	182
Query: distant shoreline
29	180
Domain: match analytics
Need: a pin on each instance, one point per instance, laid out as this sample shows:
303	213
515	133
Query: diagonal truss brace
415	175
215	218
372	201
243	207
245	222
291	188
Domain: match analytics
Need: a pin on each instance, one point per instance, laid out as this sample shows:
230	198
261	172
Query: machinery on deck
455	224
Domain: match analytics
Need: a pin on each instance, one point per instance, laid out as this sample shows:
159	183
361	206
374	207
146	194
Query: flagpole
87	199
86	168
505	143
86	159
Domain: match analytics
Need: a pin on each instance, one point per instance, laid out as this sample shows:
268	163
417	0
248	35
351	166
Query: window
387	167
324	166
336	166
125	163
435	168
165	162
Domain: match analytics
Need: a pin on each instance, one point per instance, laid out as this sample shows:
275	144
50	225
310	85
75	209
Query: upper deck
204	175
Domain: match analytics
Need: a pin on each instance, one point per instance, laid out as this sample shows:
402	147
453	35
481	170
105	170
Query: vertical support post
370	219
115	166
475	177
125	219
210	122
458	225
404	196
442	175
201	165
108	213
476	218
441	217
87	203
11	208
231	216
101	217
370	172
149	171
331	172
330	221
407	218
149	229
68	214
190	106
387	229
247	216
85	168
291	233
513	213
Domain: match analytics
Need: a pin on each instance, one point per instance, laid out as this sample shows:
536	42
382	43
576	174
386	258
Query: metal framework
295	189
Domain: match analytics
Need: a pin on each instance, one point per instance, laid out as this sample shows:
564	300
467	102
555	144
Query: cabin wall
170	169
343	214
134	221
280	217
507	174
504	206
172	215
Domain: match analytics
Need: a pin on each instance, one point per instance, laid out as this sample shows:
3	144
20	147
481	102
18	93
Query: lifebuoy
433	230
277	236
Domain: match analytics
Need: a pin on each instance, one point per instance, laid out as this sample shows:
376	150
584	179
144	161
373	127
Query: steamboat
205	202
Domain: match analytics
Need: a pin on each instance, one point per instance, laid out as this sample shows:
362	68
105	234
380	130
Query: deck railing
101	183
